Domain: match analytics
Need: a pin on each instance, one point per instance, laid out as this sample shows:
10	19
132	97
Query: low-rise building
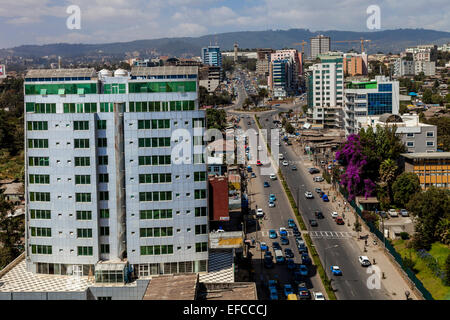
433	169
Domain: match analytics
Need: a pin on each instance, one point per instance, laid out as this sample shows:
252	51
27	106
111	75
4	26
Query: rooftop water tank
105	73
120	73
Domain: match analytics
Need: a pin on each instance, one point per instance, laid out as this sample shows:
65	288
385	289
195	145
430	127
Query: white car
259	148
309	195
334	214
280	156
365	262
285	163
393	213
404	213
318	296
271	204
273	177
259	213
318	179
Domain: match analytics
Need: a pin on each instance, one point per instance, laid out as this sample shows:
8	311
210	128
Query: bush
326	176
404	235
447	271
408	263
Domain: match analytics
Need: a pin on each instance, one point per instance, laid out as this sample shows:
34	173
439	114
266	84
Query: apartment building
104	185
369	98
319	45
325	84
403	68
290	59
427	67
263	62
212	56
355	64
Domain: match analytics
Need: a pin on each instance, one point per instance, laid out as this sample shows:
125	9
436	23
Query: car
268	262
340	221
272	197
294	168
336	271
259	213
276	246
364	261
290	264
318	179
283	231
383	214
306	260
279	256
263	246
318	296
291	223
272	234
313	223
302	249
334	214
284	240
303	291
404	213
266	184
288	289
280	156
258	163
318	190
313	170
309	195
325	198
303	270
393	213
272	284
259	148
273	293
296	233
285	163
271	204
288	253
273	177
330	166
319	214
268	254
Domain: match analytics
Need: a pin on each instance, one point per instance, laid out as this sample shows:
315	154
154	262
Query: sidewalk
393	281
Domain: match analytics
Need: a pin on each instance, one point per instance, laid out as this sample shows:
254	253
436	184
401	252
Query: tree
447	271
11	231
289	128
430	208
216	118
405	186
427	96
388	170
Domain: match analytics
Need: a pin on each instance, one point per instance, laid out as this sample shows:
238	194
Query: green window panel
101	124
199	176
172	86
104	248
84	251
82	161
114	88
106	107
84	233
102	160
81	125
82	197
201	212
40	214
41	107
201	247
155	196
39	196
103	178
201	229
155	214
37	125
81	143
38	143
82	179
84	215
39	179
104	231
199	194
41	232
70	88
104	213
103	195
38	161
102	142
41	249
155	178
156	250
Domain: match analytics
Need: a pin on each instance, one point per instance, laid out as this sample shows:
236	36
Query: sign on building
2	71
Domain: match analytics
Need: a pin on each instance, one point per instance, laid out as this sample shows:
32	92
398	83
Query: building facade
263	62
403	68
291	60
355	64
212	56
427	67
433	169
319	45
103	182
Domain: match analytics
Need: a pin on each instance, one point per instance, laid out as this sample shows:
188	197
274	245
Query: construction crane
360	40
301	44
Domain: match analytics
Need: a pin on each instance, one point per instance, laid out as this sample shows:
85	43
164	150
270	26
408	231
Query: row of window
155	196
156	250
154	124
156	232
161	106
82	251
154	142
155	178
155	214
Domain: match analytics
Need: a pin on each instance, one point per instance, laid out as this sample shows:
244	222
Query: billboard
2	71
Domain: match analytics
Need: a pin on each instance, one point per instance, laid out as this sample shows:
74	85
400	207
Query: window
38	161
102	160
39	179
102	142
430	143
84	233
41	232
104	231
84	251
81	125
106	107
40	196
201	229
104	213
40	214
38	143
84	215
410	144
104	195
41	249
154	160
154	124
41	107
198	140
200	194
156	250
200	212
101	124
103	178
154	142
155	178
201	247
430	134
104	248
81	143
410	135
37	125
156	232
155	214
155	196
82	179
82	197
198	122
82	161
199	176
199	158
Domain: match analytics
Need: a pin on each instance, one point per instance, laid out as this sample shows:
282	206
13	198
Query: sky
103	21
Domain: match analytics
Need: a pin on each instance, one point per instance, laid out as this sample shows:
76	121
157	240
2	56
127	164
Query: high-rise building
263	62
427	67
104	180
211	56
403	68
355	64
280	77
369	98
293	64
325	84
319	45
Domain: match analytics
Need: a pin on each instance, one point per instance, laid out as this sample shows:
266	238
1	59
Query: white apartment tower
319	45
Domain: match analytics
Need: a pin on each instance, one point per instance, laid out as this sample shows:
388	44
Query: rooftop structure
172	287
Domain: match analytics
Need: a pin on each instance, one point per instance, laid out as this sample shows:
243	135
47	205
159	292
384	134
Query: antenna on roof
59	62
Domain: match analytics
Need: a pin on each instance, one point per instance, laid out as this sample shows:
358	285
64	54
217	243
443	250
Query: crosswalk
330	234
265	233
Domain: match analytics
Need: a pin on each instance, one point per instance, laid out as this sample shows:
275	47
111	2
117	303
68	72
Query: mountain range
381	41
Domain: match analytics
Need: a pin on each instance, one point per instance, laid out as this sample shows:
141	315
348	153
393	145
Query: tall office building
355	64
325	84
292	62
211	56
104	190
370	98
263	62
319	45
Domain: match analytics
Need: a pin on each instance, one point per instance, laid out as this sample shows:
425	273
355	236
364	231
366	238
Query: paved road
333	250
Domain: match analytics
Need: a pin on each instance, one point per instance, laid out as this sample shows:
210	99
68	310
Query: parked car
364	261
291	223
273	177
309	195
268	262
274	293
318	214
259	213
303	270
288	253
393	213
272	234
306	260
318	190
290	264
340	221
285	163
404	213
318	296
263	246
266	184
334	215
383	214
279	256
276	246
280	156
303	292
294	168
325	198
283	232
284	240
272	197
313	223
318	179
336	271
253	175
288	289
313	170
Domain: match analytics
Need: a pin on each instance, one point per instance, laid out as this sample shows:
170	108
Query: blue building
212	56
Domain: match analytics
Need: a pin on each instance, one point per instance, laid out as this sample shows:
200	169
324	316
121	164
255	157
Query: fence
397	257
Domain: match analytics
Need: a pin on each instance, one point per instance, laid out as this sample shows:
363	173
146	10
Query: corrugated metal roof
427	155
61	73
162	71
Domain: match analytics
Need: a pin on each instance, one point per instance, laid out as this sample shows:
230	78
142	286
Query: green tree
427	96
429	208
447	271
289	128
405	186
388	173
216	119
